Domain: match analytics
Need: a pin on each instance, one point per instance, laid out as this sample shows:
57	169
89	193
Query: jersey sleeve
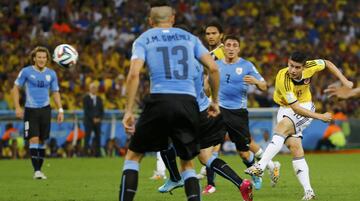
21	78
199	49
286	87
312	67
254	72
138	50
54	85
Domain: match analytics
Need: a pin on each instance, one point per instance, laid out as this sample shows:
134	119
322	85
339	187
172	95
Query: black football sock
224	170
169	158
34	156
129	181
250	162
210	175
191	184
41	151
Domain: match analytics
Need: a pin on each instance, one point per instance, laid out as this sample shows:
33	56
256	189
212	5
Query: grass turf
333	176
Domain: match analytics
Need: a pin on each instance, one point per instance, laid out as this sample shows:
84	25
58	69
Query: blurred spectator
333	138
342	121
3	103
53	150
103	31
12	144
73	142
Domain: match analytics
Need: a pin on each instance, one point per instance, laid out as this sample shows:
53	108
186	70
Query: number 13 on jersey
182	53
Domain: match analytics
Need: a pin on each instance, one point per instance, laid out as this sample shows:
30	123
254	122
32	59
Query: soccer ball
65	56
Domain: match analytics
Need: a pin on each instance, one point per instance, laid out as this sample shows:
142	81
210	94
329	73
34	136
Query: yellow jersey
218	52
288	91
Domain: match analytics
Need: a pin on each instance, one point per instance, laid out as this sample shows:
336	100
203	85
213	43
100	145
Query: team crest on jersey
238	70
48	78
307	81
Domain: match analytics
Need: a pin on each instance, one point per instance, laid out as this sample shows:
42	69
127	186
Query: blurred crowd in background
103	32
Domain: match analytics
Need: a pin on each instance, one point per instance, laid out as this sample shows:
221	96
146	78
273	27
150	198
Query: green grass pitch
334	177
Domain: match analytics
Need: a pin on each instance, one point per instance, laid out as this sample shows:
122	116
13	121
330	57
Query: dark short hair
231	37
299	57
216	24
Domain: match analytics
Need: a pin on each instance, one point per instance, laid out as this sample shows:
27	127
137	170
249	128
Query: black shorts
237	125
174	116
212	130
37	122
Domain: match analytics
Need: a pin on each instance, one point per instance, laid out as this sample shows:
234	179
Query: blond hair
161	14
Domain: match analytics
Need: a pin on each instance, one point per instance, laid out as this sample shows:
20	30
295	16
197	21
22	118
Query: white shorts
299	122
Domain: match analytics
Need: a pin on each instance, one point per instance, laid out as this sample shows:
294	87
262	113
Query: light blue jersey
233	88
201	98
170	56
37	85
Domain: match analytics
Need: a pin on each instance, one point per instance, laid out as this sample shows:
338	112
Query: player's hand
250	79
340	92
326	117
213	110
60	117
348	84
129	122
19	113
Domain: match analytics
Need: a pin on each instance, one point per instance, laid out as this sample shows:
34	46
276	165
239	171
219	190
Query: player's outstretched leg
224	170
272	166
272	149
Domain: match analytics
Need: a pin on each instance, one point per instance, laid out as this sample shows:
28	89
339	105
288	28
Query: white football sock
160	166
259	154
302	172
272	149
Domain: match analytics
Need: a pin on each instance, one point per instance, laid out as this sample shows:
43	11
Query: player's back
169	54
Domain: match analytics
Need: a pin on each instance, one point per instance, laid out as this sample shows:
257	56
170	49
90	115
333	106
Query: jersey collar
38	69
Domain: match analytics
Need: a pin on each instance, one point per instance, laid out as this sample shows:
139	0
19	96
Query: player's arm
132	84
214	76
260	84
255	78
335	71
54	87
326	117
15	91
342	92
207	89
57	100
